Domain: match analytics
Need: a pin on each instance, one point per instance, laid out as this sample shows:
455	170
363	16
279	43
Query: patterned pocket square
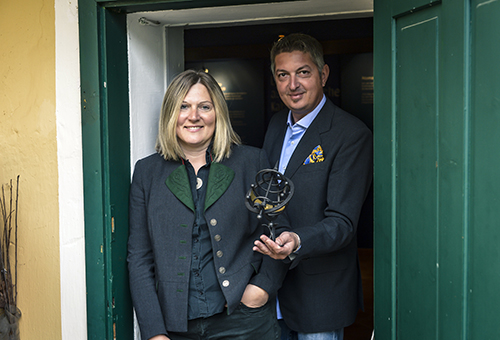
316	156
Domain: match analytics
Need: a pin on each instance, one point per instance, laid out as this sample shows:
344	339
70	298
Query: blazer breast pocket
313	167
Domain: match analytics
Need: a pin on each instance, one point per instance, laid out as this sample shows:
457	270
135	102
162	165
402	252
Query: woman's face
196	122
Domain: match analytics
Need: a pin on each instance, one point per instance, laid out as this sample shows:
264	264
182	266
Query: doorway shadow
348	49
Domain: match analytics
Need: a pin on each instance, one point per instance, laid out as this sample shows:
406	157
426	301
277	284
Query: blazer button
219	253
213	222
225	283
217	238
222	270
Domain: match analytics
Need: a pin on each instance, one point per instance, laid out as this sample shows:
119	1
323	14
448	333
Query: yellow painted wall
28	148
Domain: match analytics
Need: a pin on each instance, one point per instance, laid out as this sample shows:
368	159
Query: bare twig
8	285
3	270
17	209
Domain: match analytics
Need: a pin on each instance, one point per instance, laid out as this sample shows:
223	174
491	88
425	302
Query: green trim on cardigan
178	183
219	179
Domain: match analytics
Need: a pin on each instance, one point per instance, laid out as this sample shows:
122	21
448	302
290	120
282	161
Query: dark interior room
238	58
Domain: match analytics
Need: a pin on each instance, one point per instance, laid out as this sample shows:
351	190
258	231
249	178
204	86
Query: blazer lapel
274	138
308	142
277	146
178	183
219	179
311	139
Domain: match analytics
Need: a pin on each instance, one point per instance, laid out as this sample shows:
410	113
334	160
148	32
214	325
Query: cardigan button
217	237
225	283
219	253
222	270
213	222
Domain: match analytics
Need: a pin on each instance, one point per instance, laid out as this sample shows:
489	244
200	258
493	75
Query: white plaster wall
147	85
69	154
156	55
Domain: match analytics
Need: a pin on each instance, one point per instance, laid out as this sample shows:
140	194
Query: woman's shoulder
150	159
151	162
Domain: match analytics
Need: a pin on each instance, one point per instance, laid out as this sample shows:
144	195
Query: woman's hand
160	337
254	297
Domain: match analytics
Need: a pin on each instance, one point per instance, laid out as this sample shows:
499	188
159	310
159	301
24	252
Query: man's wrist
297	241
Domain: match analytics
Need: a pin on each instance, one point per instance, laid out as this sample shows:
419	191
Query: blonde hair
167	142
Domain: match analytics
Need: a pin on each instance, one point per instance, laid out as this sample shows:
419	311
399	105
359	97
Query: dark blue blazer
159	246
322	290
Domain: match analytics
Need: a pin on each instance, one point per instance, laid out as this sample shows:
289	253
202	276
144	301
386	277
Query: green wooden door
106	168
437	123
484	264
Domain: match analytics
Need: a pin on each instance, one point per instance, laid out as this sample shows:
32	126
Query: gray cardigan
160	233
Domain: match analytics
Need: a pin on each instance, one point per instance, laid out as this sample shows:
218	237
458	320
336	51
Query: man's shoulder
279	118
340	119
275	132
244	156
241	150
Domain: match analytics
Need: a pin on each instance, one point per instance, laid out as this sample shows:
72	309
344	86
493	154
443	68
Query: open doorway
116	131
228	52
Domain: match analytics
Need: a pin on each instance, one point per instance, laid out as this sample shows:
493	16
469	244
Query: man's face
299	83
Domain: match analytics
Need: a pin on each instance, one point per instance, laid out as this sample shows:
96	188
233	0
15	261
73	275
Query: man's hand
284	245
254	297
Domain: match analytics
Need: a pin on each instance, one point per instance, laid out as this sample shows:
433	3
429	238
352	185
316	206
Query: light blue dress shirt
294	133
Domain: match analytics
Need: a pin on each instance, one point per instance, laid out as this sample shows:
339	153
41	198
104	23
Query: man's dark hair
299	42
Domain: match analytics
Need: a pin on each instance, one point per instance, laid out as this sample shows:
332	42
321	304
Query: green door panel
417	128
484	267
437	188
95	210
422	169
117	175
106	167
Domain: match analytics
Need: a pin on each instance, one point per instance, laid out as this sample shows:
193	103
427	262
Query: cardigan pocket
256	266
173	299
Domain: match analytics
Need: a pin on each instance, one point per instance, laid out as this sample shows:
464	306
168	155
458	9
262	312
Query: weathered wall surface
28	147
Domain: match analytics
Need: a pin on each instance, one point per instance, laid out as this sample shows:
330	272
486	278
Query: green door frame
106	164
106	155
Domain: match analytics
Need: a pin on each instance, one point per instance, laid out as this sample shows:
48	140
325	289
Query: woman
192	269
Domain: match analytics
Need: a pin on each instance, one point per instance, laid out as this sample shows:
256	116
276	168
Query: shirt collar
208	154
305	121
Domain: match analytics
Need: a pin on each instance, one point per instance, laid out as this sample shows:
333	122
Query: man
327	154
